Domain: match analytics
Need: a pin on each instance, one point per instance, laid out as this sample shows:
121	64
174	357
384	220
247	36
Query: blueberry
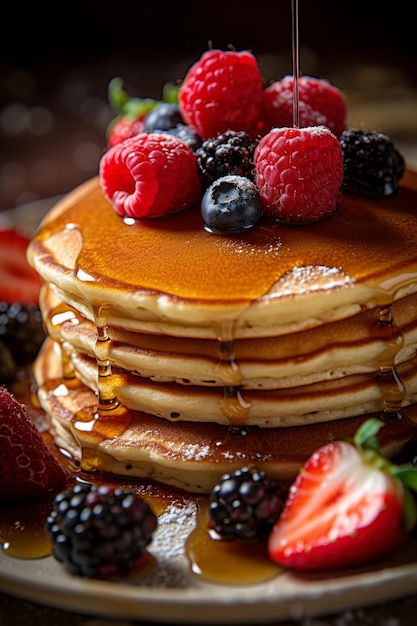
231	204
163	117
185	133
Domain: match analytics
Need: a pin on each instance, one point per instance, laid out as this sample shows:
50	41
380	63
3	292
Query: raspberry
245	504
320	104
373	165
99	532
223	91
299	172
150	175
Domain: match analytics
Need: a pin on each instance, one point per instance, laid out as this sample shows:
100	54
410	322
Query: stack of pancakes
179	355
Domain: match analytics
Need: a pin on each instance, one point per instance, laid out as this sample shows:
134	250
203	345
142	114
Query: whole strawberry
347	506
299	172
320	104
27	467
131	113
223	91
150	175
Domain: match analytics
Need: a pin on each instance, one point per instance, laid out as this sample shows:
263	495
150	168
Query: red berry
19	281
150	175
123	128
223	91
347	506
299	172
320	103
27	467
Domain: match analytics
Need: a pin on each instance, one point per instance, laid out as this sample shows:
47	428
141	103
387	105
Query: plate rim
46	582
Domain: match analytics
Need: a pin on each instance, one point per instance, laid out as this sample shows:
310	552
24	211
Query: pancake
189	456
178	354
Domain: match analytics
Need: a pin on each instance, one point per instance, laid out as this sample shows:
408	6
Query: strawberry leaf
407	474
117	95
170	93
410	510
366	434
133	108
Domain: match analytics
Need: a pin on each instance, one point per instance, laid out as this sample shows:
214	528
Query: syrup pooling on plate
22	535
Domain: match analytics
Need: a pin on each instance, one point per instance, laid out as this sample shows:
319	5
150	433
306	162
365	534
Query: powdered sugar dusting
174	526
196	452
310	277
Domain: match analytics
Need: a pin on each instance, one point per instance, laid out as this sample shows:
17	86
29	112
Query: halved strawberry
347	506
28	468
18	281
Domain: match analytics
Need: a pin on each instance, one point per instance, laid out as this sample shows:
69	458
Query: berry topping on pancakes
231	204
237	127
299	172
223	91
150	175
372	164
320	104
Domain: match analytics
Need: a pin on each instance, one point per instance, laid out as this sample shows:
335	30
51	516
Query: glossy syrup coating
365	241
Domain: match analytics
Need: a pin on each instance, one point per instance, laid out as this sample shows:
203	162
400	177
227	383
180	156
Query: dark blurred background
56	61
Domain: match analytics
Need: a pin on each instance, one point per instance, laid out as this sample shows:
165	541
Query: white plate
168	593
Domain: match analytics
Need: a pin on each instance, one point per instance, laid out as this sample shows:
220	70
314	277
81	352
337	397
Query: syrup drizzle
389	382
295	62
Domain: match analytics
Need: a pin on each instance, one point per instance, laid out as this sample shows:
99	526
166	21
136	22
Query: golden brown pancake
170	339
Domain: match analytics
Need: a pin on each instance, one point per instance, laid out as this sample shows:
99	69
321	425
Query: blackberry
372	164
231	204
99	531
229	153
21	331
8	367
164	116
244	505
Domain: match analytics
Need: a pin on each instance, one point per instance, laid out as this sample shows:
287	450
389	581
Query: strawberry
299	172
131	111
123	127
347	506
18	281
150	175
320	103
27	467
223	91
